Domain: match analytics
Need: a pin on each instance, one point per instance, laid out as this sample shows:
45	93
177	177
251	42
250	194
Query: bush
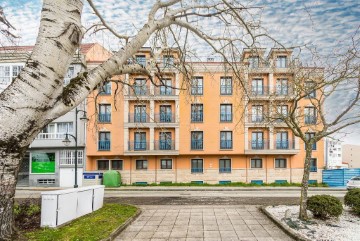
324	206
27	214
352	199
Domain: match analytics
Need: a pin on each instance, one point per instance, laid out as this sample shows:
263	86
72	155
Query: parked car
354	182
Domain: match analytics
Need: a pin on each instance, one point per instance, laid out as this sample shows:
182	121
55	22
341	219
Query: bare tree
37	96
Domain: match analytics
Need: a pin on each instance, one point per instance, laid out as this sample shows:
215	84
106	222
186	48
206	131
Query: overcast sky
324	24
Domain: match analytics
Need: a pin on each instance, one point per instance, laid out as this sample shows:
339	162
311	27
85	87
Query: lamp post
67	141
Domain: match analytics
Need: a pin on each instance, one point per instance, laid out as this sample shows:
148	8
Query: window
310	135
256	163
116	164
140	141
56	130
280	163
168	61
310	89
257	87
196	140
166	163
197	86
226	112
282	87
104	141
197	112
197	165
282	141
313	165
225	86
141	59
166	87
257	141
257	114
103	164
105	89
310	115
141	164
225	139
224	165
104	113
282	112
254	62
165	113
140	113
69	75
8	73
140	87
281	62
67	157
165	142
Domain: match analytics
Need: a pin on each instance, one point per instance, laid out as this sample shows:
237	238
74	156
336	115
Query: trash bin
112	179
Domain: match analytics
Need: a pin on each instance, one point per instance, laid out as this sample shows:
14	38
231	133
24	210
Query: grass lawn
231	184
95	226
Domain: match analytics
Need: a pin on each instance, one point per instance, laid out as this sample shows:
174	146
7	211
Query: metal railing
313	169
256	118
164	91
139	91
197	170
138	145
164	117
197	145
225	144
310	119
104	145
225	169
139	118
105	117
259	144
284	145
48	136
226	117
164	145
263	91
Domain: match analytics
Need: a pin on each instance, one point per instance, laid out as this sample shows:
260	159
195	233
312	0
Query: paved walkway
202	223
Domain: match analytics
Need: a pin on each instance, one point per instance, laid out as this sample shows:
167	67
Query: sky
321	24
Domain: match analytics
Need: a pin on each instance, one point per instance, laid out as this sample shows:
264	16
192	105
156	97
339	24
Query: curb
283	227
117	231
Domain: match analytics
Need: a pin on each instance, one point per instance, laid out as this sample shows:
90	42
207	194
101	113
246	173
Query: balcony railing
225	169
164	145
226	117
48	136
165	118
310	119
197	145
284	145
138	145
284	91
105	117
197	170
197	117
165	91
139	91
139	118
225	144
256	118
258	92
259	144
313	169
104	145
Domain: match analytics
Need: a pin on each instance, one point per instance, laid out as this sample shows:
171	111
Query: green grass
95	226
232	184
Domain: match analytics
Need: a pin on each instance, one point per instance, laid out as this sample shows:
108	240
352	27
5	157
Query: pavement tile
254	227
161	234
195	234
237	221
127	235
194	239
142	235
227	234
211	227
176	239
139	223
165	228
178	234
226	228
211	234
260	234
265	239
245	234
240	227
251	221
149	228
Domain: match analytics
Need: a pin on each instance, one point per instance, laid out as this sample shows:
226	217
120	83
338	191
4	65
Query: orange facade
205	129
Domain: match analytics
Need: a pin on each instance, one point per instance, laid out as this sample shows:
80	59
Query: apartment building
206	129
333	154
351	155
48	161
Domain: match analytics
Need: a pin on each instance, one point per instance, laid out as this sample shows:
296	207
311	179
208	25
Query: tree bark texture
305	183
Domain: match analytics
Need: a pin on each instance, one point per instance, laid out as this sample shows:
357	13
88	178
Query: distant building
351	155
333	154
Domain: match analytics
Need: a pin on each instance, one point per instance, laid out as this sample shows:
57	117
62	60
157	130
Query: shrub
324	206
352	199
27	214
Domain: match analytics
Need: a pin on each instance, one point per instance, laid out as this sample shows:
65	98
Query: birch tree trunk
305	183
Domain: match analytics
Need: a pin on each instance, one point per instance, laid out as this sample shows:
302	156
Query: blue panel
312	181
339	177
141	183
89	177
257	182
224	182
198	182
280	181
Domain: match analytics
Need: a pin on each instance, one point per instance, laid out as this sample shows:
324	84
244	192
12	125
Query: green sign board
42	162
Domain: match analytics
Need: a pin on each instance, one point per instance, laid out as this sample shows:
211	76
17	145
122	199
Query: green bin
112	179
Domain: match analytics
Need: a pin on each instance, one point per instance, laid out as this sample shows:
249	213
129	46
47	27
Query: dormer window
281	61
254	62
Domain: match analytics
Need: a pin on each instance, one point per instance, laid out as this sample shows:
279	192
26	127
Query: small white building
333	154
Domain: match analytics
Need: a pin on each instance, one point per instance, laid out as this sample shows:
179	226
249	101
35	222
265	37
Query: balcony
51	136
139	118
313	169
164	91
284	145
105	118
197	145
259	92
256	119
164	145
164	118
138	91
259	145
225	144
226	117
197	170
197	117
310	119
225	169
138	145
104	145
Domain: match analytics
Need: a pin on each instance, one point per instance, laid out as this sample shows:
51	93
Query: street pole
76	156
